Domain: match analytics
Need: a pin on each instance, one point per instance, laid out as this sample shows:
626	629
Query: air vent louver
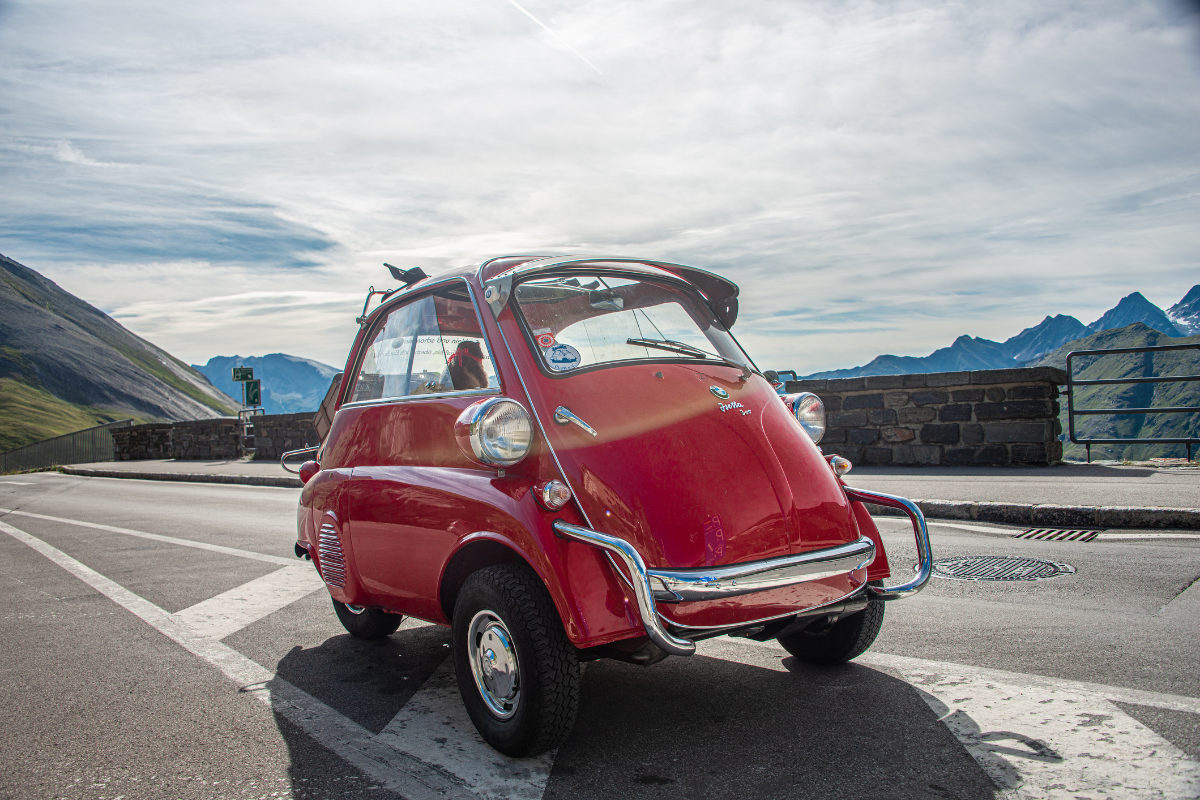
330	557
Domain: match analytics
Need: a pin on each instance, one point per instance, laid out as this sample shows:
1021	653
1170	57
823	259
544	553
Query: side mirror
771	375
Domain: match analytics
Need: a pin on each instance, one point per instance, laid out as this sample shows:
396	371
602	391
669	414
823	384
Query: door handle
564	415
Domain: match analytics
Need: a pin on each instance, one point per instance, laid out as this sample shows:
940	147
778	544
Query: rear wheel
367	623
840	641
517	672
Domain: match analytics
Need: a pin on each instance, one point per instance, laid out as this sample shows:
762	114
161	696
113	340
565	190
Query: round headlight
497	431
810	413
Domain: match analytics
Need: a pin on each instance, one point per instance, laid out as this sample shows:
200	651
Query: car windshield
581	321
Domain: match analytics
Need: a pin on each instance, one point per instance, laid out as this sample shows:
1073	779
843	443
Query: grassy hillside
29	414
1143	395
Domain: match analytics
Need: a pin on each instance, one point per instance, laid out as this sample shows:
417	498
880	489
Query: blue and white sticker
562	358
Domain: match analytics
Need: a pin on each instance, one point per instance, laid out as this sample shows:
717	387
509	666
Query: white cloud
70	154
891	174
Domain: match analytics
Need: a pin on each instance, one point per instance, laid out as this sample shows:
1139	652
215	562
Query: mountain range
290	384
65	365
1032	344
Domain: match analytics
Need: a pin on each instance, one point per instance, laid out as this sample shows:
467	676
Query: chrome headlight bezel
809	411
496	432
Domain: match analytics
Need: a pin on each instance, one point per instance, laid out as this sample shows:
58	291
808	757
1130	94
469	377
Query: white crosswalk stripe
229	612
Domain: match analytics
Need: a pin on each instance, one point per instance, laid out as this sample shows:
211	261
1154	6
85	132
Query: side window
431	345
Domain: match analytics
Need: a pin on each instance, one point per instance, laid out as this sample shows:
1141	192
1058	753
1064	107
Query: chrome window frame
371	328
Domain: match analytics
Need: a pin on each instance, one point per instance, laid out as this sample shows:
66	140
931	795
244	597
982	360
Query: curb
1041	516
1036	516
188	477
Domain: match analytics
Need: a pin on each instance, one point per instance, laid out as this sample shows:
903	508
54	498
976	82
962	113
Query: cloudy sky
227	177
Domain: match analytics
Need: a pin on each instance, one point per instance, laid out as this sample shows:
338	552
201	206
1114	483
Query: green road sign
243	374
252	393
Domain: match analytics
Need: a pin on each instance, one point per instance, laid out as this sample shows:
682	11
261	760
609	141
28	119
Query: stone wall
978	418
214	439
274	434
140	442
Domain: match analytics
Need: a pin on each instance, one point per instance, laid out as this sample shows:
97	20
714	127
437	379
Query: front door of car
425	362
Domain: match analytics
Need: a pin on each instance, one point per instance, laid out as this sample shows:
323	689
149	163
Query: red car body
696	498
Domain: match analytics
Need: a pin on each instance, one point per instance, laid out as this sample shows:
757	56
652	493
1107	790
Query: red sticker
545	340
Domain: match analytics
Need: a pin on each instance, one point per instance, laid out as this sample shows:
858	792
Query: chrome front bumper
653	586
924	566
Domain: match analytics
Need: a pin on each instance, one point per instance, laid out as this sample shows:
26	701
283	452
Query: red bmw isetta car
572	458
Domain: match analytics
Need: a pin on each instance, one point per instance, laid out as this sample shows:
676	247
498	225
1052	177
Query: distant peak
1134	297
1193	296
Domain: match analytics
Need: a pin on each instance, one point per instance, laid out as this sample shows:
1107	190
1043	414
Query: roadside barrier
85	446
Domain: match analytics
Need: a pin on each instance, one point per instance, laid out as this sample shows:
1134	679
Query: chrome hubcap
493	658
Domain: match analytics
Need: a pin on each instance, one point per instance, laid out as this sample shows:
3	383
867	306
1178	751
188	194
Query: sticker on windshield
545	340
562	358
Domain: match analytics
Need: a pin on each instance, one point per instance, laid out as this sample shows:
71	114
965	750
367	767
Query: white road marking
912	669
229	612
156	537
18	483
1058	744
1042	738
1108	535
433	726
392	768
976	528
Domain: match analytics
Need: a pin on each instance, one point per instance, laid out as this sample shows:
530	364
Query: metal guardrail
80	447
1073	412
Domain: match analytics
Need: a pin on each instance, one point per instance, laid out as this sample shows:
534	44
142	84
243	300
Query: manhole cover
998	568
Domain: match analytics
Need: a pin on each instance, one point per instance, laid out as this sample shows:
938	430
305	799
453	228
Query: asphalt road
160	641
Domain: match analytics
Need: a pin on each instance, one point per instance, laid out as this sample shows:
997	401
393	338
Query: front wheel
517	672
839	642
367	623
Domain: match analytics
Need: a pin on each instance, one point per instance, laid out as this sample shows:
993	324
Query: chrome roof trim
498	288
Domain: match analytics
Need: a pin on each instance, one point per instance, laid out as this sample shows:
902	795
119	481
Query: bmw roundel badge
719	392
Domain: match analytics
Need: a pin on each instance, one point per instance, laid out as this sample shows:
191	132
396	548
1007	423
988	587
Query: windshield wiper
670	345
688	350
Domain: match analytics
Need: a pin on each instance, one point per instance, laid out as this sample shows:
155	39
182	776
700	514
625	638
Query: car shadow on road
708	728
367	681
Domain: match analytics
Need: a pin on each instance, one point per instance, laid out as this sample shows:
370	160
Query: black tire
367	623
848	638
524	697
